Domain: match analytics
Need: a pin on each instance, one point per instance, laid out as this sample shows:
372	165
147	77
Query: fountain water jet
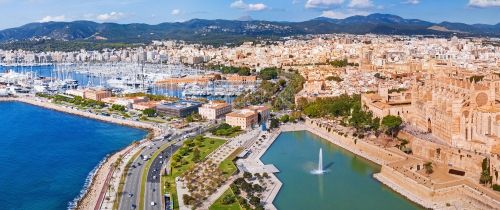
320	169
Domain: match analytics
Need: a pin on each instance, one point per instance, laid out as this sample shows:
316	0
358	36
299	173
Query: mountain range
224	30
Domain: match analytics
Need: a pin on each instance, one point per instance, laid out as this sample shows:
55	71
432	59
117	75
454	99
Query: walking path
255	143
216	157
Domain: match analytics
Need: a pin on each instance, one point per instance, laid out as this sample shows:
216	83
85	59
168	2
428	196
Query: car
153	203
133	206
154	177
130	195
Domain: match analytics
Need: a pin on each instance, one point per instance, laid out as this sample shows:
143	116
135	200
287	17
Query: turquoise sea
348	183
46	156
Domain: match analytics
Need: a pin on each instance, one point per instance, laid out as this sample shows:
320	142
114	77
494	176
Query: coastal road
153	185
131	190
132	187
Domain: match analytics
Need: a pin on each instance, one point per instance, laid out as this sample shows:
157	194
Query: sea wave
88	182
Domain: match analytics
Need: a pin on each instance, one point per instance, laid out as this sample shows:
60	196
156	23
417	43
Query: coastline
461	194
96	185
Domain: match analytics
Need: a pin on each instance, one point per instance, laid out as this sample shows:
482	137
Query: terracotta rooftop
241	113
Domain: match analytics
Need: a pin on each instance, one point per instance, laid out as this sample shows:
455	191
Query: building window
489	125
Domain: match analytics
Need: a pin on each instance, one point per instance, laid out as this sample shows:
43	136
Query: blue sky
18	12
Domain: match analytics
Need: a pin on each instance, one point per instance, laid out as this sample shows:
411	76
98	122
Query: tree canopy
269	73
392	123
347	108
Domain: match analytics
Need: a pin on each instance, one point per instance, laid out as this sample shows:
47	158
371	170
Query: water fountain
320	169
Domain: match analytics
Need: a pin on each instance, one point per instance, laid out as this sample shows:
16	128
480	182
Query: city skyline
135	11
225	104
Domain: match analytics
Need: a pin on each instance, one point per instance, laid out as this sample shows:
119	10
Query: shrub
285	118
149	112
496	187
188	200
269	73
228	199
117	107
254	200
247	175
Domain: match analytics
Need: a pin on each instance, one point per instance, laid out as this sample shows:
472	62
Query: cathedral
459	109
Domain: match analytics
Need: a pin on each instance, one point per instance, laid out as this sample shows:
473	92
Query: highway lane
131	189
128	199
153	185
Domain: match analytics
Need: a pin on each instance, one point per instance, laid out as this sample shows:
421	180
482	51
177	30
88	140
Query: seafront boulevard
108	173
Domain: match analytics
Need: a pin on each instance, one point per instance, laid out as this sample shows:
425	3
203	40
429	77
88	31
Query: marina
121	78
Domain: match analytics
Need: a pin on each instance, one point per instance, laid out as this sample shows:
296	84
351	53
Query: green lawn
218	205
208	145
227	166
155	120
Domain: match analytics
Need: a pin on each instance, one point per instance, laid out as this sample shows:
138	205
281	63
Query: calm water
347	185
45	156
84	81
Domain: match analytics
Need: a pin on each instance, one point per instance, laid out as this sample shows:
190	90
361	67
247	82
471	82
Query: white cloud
361	4
110	16
175	12
412	2
322	3
342	14
257	7
52	18
240	4
484	3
